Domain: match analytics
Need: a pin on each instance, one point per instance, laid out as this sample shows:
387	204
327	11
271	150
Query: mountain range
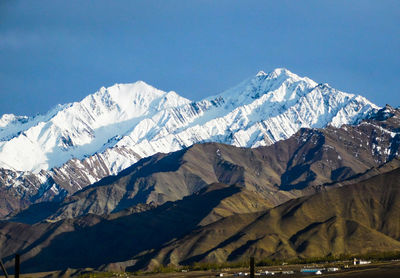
51	156
212	226
301	165
131	177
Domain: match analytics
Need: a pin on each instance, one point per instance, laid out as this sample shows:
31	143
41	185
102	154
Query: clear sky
60	51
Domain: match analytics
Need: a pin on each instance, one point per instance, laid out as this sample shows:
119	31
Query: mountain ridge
352	219
339	221
120	98
308	162
78	144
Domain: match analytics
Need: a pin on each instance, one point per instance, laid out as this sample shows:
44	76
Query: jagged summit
135	95
283	73
275	73
261	73
280	72
8	119
277	85
387	114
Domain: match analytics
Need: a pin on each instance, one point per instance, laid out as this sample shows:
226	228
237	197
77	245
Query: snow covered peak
172	99
278	85
8	119
280	72
127	94
79	129
138	95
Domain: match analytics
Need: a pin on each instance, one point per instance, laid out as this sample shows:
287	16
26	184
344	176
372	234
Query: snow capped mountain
79	129
79	143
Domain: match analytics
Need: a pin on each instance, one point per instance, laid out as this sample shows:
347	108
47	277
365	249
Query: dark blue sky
60	51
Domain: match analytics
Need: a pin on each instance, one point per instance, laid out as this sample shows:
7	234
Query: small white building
333	269
360	262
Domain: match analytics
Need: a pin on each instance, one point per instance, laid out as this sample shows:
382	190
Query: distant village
311	270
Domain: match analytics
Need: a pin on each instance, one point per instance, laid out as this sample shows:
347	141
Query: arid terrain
384	269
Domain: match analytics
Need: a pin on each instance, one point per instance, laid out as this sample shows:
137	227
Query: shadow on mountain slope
357	218
121	238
